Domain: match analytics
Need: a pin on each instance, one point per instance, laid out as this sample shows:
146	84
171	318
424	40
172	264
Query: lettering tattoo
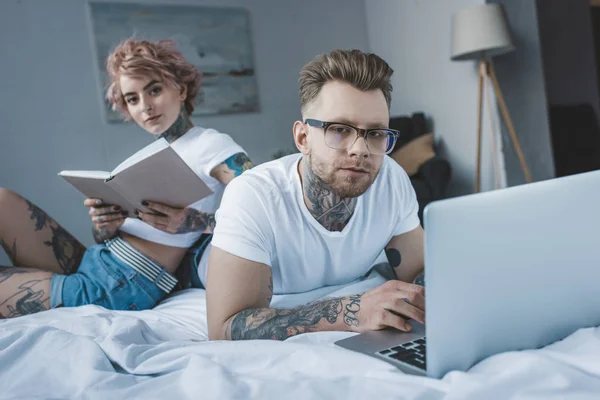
181	125
195	221
67	250
332	211
269	323
30	298
394	257
11	251
352	308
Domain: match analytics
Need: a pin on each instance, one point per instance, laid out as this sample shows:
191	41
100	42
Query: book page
85	174
164	178
92	184
142	154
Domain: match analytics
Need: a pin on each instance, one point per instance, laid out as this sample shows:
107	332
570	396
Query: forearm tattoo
331	210
269	323
67	250
197	221
181	125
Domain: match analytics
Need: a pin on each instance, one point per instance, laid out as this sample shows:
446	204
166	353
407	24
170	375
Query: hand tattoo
269	323
332	211
351	309
197	221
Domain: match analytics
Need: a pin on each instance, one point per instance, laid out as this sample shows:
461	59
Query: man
321	217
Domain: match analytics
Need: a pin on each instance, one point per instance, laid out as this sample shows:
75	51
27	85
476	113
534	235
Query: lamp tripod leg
509	124
479	118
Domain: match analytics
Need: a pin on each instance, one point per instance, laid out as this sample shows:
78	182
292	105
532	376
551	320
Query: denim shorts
103	279
187	273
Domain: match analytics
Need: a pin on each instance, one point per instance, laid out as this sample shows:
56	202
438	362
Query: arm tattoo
195	221
269	323
332	211
352	308
11	252
238	163
67	250
394	257
179	128
270	289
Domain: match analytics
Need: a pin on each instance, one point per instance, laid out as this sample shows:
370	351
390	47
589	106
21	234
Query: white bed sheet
90	352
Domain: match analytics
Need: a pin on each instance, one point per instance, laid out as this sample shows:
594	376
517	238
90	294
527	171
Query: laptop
505	270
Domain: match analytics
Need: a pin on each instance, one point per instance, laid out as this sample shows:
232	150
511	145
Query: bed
90	352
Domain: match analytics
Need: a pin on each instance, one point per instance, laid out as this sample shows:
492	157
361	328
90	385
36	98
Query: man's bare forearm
338	314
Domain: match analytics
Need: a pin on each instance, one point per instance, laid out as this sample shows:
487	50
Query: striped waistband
142	264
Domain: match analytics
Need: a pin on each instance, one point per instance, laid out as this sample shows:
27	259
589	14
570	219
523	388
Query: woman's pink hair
162	59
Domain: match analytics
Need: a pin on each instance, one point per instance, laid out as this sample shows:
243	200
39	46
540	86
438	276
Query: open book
155	173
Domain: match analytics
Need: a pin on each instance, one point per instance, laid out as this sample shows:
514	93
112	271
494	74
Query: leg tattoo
67	250
30	298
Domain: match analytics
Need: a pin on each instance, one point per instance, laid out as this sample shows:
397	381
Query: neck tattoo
181	125
332	211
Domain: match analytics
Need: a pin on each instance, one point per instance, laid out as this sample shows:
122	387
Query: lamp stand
487	73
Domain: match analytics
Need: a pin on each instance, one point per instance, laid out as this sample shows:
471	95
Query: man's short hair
364	71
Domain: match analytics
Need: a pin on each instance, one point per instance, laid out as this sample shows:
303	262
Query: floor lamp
478	33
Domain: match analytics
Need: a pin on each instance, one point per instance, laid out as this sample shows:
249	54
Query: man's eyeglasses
340	136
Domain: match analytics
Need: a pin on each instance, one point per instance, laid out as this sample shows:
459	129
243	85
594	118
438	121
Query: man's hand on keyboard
389	305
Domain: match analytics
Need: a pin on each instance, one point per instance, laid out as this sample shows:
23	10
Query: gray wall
414	37
521	78
50	108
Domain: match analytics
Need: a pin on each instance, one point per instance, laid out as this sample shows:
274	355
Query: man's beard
344	187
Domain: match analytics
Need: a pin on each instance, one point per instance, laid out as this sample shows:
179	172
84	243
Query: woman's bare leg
23	291
32	239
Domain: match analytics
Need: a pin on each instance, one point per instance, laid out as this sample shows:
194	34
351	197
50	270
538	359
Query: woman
135	262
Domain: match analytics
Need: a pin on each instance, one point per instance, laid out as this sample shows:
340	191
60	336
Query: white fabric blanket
90	352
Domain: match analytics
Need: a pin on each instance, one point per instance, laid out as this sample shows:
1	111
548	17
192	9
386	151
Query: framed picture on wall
216	40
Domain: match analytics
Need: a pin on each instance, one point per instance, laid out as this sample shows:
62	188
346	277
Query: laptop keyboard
411	353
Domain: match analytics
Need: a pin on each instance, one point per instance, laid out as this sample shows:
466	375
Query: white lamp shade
480	31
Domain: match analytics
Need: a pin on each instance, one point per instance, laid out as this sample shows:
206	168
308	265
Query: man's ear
301	137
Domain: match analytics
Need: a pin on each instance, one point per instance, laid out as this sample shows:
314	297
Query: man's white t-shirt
201	149
263	218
